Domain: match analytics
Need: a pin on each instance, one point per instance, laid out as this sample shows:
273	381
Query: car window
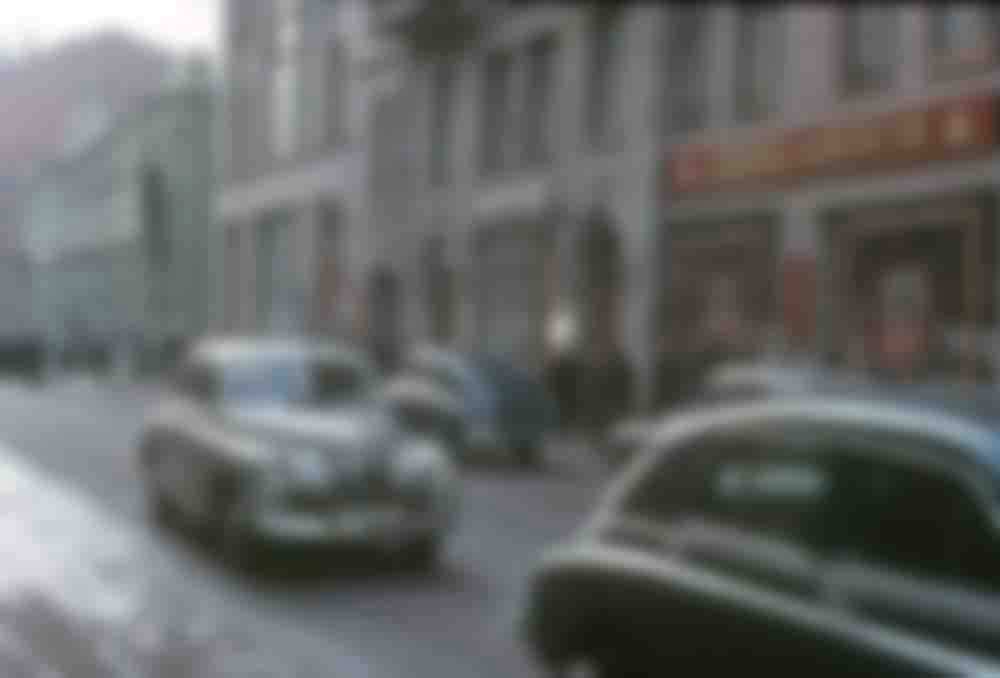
196	380
777	492
913	519
752	479
295	381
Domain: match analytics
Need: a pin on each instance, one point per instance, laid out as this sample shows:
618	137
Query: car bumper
387	527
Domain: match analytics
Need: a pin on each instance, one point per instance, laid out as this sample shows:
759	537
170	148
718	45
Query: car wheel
240	549
423	554
528	455
160	506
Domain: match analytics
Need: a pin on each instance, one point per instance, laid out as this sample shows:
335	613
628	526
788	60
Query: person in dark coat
609	391
675	375
563	381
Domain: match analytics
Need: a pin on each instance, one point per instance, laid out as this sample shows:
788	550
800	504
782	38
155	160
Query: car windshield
295	381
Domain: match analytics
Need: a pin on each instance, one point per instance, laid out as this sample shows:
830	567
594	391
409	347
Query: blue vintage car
504	411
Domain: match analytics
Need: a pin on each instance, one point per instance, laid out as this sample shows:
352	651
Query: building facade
831	183
117	230
815	180
812	180
291	205
533	155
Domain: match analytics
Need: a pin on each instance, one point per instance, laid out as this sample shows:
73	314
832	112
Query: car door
910	548
740	505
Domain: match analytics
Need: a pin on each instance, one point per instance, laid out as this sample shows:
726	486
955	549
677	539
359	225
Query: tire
528	455
423	555
240	549
160	507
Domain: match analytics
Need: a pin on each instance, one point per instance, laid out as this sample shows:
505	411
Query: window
686	51
601	104
266	241
963	35
769	493
912	519
233	273
538	100
285	80
337	93
328	270
870	48
497	108
156	218
442	120
758	480
759	63
197	381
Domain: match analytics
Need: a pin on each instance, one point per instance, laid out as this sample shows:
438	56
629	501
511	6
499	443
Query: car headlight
421	463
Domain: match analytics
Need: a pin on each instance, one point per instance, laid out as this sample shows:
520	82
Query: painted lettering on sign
933	133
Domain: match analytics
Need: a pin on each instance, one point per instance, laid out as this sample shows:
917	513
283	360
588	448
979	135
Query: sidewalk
83	596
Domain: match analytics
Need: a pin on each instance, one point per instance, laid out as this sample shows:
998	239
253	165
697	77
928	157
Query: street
458	621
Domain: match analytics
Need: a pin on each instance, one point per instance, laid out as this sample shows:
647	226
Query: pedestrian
673	380
609	386
563	377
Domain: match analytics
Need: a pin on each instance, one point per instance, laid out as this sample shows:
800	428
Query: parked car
288	441
732	383
504	411
825	535
422	407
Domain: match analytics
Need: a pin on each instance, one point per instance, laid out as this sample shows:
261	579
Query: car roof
776	377
223	350
951	422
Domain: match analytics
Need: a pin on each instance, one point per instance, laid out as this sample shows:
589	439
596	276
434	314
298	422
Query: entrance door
911	282
721	287
512	294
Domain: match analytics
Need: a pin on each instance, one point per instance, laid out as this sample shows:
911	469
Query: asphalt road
458	621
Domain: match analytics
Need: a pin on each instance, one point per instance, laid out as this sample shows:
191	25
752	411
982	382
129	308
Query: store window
686	54
871	48
963	36
760	60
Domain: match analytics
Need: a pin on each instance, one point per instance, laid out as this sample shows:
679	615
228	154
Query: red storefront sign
798	298
892	141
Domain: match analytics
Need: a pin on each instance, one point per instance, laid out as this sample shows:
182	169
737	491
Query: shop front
721	287
514	291
881	249
914	284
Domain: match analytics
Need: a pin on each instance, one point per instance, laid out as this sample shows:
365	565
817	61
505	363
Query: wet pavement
93	589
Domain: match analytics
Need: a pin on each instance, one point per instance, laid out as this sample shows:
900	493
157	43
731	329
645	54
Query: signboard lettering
891	140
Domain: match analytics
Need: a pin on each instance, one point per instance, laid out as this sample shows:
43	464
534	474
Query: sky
177	24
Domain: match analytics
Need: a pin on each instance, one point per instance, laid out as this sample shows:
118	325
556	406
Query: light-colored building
793	178
534	156
291	204
118	230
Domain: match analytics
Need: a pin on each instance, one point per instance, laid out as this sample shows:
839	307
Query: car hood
353	428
